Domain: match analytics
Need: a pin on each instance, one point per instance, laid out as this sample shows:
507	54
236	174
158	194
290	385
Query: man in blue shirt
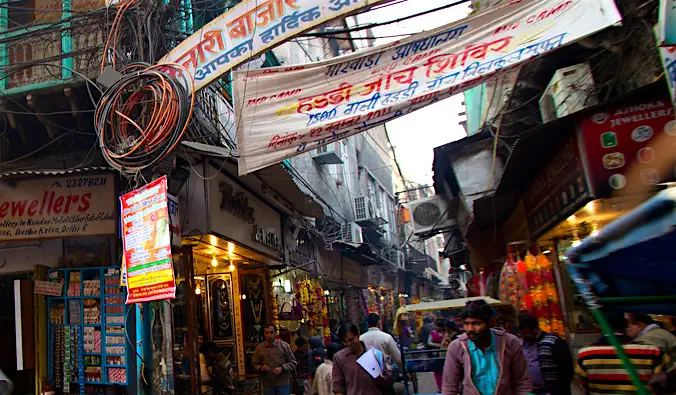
484	361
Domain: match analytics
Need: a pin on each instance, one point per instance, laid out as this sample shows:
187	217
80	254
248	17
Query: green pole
610	334
638	299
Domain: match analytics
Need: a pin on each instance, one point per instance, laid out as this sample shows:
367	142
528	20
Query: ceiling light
214	262
572	218
231	267
547	252
198	290
595	232
576	242
231	247
591	207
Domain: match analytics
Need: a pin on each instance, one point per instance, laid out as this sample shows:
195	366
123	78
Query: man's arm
519	368
256	360
581	375
337	378
224	374
290	364
453	370
564	360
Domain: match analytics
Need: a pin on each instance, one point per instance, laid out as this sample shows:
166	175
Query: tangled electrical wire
144	115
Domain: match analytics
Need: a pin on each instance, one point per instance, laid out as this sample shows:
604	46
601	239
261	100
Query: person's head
637	323
529	328
477	319
333	322
349	334
451	327
617	322
332	349
373	320
270	333
209	350
440	325
427	320
300	343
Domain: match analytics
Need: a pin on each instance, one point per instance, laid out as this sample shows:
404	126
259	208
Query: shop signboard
668	55
558	190
147	243
629	146
353	273
174	220
238	215
288	111
666	25
249	29
57	207
49	288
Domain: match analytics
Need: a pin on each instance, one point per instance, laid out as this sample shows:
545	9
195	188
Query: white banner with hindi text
286	111
250	28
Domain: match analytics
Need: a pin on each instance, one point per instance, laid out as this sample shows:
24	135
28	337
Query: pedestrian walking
600	370
323	380
425	330
375	338
484	361
550	364
275	361
451	334
303	364
349	378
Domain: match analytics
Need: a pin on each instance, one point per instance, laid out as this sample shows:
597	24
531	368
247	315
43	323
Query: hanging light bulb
326	292
231	267
595	230
243	296
198	290
214	262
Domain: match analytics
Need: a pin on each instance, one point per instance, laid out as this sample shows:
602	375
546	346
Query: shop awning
630	266
54	172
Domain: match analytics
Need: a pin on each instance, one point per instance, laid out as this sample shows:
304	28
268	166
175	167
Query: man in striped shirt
600	370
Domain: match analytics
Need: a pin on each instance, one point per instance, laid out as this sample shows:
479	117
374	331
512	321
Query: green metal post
628	366
66	42
638	299
4	56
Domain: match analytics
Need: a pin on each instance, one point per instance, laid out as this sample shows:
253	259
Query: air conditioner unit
330	154
366	213
570	90
430	215
351	232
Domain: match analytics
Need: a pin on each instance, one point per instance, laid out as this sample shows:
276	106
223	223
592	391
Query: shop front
232	238
607	164
63	310
381	294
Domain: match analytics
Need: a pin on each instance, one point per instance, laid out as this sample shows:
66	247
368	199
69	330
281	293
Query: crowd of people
482	356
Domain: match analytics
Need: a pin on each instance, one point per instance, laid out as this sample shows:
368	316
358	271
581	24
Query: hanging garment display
510	288
551	294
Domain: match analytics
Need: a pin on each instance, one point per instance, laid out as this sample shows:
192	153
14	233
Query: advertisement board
249	29
57	207
147	243
629	146
287	111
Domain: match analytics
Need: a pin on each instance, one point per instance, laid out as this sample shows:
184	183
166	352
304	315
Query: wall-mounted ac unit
366	213
351	232
570	90
330	154
430	215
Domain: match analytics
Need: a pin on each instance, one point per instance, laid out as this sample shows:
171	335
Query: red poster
147	243
629	144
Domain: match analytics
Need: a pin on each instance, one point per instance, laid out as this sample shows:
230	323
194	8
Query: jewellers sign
242	217
58	207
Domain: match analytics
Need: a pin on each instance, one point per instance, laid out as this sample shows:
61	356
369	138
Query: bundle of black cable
144	115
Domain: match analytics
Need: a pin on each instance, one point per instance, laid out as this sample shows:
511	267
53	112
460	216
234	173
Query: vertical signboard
147	243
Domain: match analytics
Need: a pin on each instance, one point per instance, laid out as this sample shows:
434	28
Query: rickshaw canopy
450	304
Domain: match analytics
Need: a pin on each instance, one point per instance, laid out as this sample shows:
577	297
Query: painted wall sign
668	55
174	220
147	243
249	29
289	111
58	207
630	145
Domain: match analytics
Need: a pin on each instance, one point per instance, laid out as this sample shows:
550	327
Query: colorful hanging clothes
510	289
549	285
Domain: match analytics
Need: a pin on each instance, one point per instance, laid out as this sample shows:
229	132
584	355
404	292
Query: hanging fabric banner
147	243
249	29
287	111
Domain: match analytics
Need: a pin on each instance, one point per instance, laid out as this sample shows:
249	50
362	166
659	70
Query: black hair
427	320
373	319
440	323
270	326
450	324
528	321
300	342
617	321
333	322
478	309
348	327
644	318
208	347
332	349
